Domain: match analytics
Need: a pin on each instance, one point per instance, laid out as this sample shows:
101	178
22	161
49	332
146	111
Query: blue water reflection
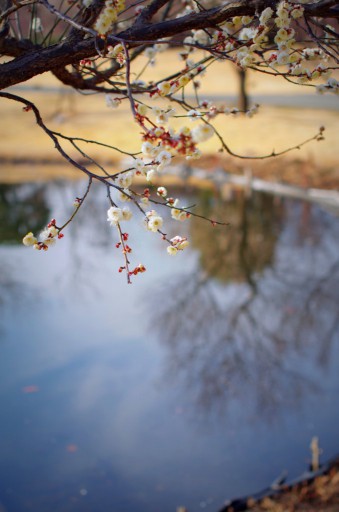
201	381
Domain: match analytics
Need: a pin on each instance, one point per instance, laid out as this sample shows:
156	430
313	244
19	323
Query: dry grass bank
88	117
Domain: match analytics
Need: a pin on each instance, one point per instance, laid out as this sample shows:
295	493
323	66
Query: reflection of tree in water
247	246
23	208
264	336
29	207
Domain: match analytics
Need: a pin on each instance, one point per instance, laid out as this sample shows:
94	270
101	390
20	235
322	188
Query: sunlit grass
75	114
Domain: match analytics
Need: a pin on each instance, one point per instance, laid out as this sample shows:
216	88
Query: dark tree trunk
243	101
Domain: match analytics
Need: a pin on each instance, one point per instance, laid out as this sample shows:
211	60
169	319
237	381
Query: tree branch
325	8
148	12
11	47
60	55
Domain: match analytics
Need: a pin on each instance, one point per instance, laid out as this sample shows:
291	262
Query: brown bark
30	60
60	55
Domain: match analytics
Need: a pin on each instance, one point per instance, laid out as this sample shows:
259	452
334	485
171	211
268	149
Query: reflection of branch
219	354
246	336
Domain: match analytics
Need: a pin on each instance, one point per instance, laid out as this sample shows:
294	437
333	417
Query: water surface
201	381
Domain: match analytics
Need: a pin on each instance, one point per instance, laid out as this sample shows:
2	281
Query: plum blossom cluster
332	85
46	238
177	243
108	16
162	142
247	41
139	269
115	215
287	52
153	220
297	61
117	53
179	213
171	86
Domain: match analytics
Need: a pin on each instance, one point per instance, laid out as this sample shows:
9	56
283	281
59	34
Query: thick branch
326	8
77	81
60	55
205	19
71	52
36	62
86	18
147	14
11	47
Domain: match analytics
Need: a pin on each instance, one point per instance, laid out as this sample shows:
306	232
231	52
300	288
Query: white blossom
283	58
150	52
142	109
202	133
126	213
247	33
184	80
162	118
124	195
164	158
49	241
161	47
124	180
155	222
108	16
29	240
201	37
193	114
178	214
162	191
183	244
265	15
147	148
172	251
111	101
44	234
164	88
179	243
151	174
114	215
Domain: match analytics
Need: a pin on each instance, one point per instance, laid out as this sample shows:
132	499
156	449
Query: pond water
201	381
